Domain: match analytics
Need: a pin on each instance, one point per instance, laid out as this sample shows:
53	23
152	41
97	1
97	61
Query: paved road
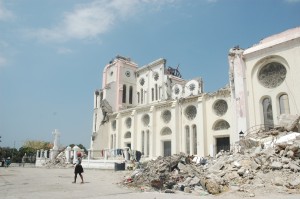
42	183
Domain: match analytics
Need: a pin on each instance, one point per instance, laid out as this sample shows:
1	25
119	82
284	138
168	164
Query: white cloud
88	20
5	14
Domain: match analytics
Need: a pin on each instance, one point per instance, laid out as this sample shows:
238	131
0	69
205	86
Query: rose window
220	107
192	87
272	75
191	112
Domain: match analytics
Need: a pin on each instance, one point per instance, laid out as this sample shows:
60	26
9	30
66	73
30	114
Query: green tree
30	148
12	153
36	144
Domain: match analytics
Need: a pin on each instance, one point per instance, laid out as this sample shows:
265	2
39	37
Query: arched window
138	96
130	95
101	96
221	125
166	116
195	138
111	141
159	92
128	122
127	134
156	92
268	113
166	131
143	142
284	106
114	125
147	143
142	96
124	94
187	139
152	94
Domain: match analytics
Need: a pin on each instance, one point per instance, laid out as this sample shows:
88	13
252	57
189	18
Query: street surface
43	183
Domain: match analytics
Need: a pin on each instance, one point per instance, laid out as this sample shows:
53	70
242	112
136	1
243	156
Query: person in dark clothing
78	170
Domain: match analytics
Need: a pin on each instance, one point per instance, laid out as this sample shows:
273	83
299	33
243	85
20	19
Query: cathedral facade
152	109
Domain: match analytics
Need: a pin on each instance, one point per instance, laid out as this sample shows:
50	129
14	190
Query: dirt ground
31	183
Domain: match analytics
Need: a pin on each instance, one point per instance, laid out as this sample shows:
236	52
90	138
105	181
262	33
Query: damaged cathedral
152	109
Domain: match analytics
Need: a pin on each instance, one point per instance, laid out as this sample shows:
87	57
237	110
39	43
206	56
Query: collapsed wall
253	167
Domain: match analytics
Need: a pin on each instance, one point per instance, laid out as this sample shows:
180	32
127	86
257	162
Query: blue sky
52	52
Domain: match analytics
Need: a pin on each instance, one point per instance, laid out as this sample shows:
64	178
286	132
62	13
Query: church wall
148	78
191	116
169	109
218	121
165	127
285	54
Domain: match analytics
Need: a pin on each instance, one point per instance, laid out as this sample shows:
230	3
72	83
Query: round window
191	112
220	107
272	75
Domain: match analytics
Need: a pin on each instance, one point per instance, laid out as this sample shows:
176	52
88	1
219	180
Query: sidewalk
42	183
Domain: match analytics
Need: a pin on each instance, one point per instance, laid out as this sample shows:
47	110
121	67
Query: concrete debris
58	162
254	167
289	122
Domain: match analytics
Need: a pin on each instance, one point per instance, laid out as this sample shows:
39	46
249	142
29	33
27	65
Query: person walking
24	160
78	169
7	162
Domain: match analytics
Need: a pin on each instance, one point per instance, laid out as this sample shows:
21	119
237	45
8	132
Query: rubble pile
258	164
58	162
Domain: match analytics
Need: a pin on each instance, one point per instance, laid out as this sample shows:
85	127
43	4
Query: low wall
39	162
99	164
28	165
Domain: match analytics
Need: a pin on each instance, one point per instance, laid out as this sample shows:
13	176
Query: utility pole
12	154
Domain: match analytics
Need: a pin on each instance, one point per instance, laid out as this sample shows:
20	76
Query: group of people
5	162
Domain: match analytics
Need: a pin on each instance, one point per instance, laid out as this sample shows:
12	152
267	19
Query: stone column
238	92
105	154
56	139
45	154
52	155
68	154
75	150
42	153
37	154
89	154
126	153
